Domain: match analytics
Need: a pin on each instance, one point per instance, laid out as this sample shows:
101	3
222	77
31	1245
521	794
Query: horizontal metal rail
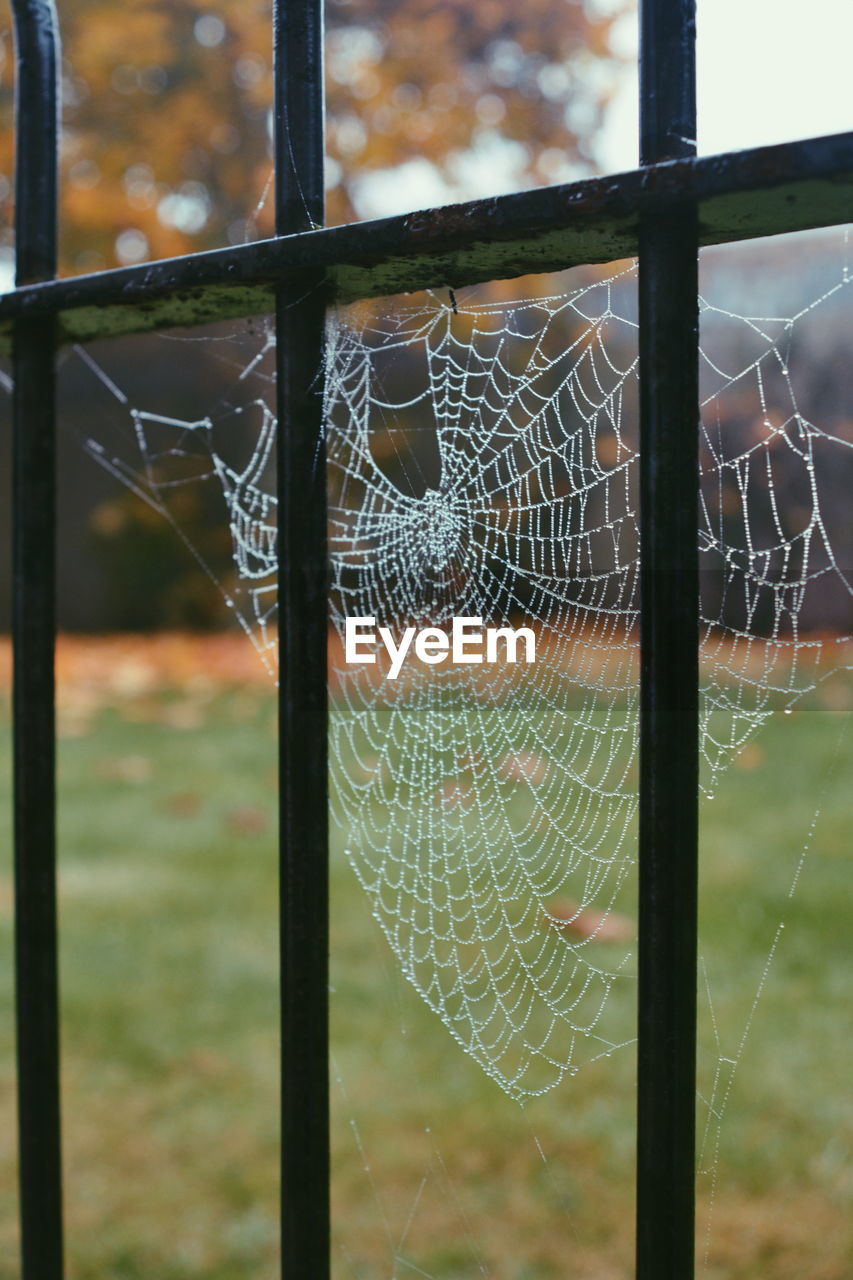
740	195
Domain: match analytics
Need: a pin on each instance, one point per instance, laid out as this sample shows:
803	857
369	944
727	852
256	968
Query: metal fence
662	212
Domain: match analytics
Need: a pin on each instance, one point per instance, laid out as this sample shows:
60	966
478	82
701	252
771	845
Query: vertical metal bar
303	785
299	115
33	627
669	483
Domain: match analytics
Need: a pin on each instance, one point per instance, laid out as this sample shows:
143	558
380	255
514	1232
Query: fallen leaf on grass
836	693
585	922
523	766
751	757
183	715
183	804
247	821
206	1062
132	676
454	795
73	724
124	769
371	768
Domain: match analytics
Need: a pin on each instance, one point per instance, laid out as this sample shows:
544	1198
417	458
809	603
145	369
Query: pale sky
768	70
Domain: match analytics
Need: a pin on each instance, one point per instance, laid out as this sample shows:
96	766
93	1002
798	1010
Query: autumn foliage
166	111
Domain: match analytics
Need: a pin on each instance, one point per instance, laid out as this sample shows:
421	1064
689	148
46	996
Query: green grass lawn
168	915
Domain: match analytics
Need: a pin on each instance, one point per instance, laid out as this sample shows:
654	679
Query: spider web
489	806
483	463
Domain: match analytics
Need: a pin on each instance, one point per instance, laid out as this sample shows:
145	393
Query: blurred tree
166	141
474	87
165	126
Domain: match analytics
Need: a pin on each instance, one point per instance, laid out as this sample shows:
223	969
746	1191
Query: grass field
170	1007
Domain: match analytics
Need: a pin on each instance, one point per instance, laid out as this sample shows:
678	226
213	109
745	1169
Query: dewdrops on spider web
482	462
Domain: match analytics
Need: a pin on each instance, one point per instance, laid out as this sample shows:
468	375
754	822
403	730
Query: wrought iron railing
662	212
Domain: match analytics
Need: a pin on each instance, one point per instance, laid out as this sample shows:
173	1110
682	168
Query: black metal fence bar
303	785
662	211
33	629
760	192
669	482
